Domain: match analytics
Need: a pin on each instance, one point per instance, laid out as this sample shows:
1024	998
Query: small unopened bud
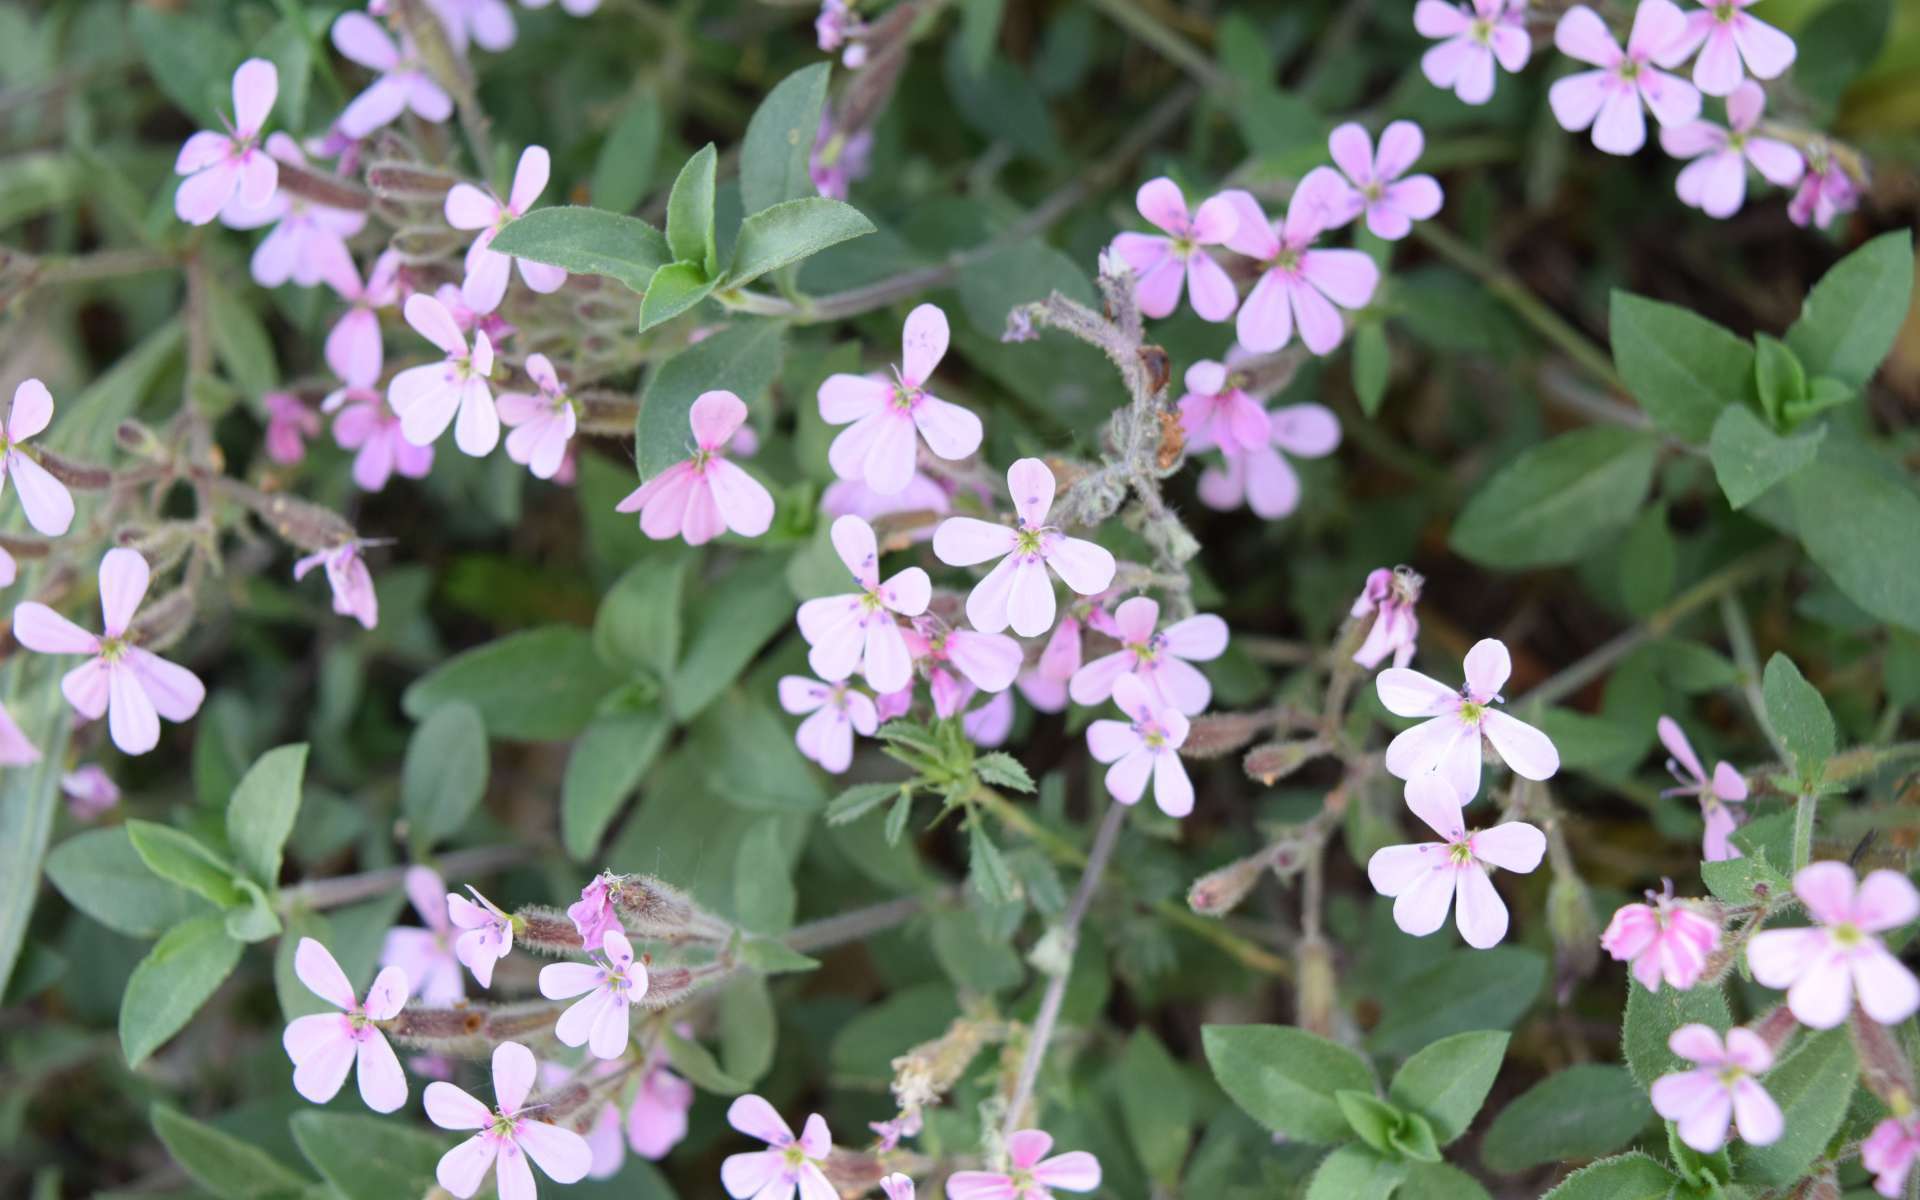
1219	892
652	909
1215	734
1776	1027
1884	1068
84	477
458	1031
405	181
562	1102
164	621
1315	986
668	986
300	524
1271	762
1576	933
136	439
331	191
546	931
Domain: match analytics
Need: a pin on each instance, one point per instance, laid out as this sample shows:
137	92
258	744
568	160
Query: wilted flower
592	914
1825	192
488	935
1726	787
426	954
348	577
1389	596
1663	940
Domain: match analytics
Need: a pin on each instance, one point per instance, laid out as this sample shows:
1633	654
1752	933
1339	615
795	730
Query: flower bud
1219	892
1315	987
407	181
658	911
546	931
1884	1068
1576	933
1271	762
1776	1027
81	476
1216	734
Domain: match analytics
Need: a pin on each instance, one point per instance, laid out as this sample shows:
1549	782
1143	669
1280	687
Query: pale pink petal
1142	252
1672	100
923	343
488	273
1319	322
814	1138
1427	747
319	1076
754	1174
1158	288
1821	998
1026	1147
388	994
1305	430
1200	638
1717	71
202	195
175	692
1160	202
197	153
845	398
1478	910
753	1116
1583	35
1408	693
611	1027
987	602
32	410
1487	669
1108	741
361	39
87	687
1657	26
1030	601
1422	907
1827	888
1394	869
1888	991
307	1036
383	1085
979	1185
529	180
1126	779
1215	221
1172	790
1083	566
1093	683
514	1073
701	522
1755	1114
889	465
1777	957
431	320
744	503
907	592
462	1168
1886	900
1436	19
1779	162
1526	751
382	101
48	504
988	660
1212	291
1768	51
1031	486
1512	846
563	1154
1699	1103
1577	99
1352	149
964	541
1675	740
950	431
888	664
1265	322
563	981
316	967
714	418
1435	801
39	628
467	207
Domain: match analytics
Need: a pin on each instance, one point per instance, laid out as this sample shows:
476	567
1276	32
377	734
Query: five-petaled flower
543	422
985	662
1263	479
1825	191
1299	285
857	630
365	423
1449	741
787	1163
610	988
426	954
1609	99
1217	414
488	935
1829	965
1018	591
1163	266
467	207
219	166
1146	744
1031	1174
1715	182
508	1134
308	239
1160	658
1721	1089
885	415
1375	183
46	501
1474	38
1726	787
404	81
1663	940
1426	879
349	579
325	1046
1725	33
1889	1152
1388	596
705	494
834	712
428	396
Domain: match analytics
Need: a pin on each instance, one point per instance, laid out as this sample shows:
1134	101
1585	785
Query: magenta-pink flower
425	954
857	630
657	1116
1145	745
609	988
960	662
705	495
1610	98
573	8
1726	787
834	712
48	504
1715	182
1031	1174
787	1163
1473	38
1299	285
1889	1152
132	685
889	417
349	580
364	423
468	207
325	1046
1825	192
1389	597
1263	479
1375	185
486	933
1164	266
1019	591
1663	940
219	166
592	914
1426	879
353	348
1725	34
1828	966
508	1134
91	793
1159	658
543	423
1721	1089
404	81
308	241
897	1186
1216	414
1449	741
428	397
289	424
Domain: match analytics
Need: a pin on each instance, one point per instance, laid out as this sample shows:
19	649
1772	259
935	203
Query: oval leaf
1286	1078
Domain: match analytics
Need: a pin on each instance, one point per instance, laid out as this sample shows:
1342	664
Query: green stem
1803	829
1176	49
1747	661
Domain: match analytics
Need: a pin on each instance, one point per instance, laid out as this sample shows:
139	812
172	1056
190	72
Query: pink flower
1715	182
542	424
879	445
1450	741
488	24
1160	660
1663	940
1836	961
1216	414
657	1117
1262	479
922	495
1725	34
496	327
573	8
134	686
839	159
427	397
1475	38
1032	1175
9	569
1428	878
1299	285
1390	596
48	504
219	165
1163	266
353	348
593	913
307	241
1148	742
1391	204
506	1138
16	750
1018	591
289	424
699	498
611	988
364	423
858	630
897	1186
404	81
988	725
90	791
1727	787
1719	1091
836	25
470	208
426	954
836	711
985	662
348	577
890	1132
488	935
1609	99
787	1163
325	1046
1889	1152
1826	191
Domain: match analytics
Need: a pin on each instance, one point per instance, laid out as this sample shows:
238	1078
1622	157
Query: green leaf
1651	1018
1871	554
179	858
1581	1111
1647	555
773	155
1469	989
675	289
624	168
261	813
538	685
1558	500
191	57
690	211
1813	1086
1852	316
1373	1119
102	875
1799	717
897	816
28	802
1836	46
588	241
859	800
607	762
230	1167
1681	367
747	606
790	231
748	1029
1414	1139
1003	770
1371	366
1745	879
1634	1176
763	892
1355	1173
253	920
240	341
444	774
987	870
1748	458
1155	1106
999	101
696	1062
1779	379
1440	1181
638	625
1448	1081
742	358
172	982
368	1158
977	962
1285	1078
770	956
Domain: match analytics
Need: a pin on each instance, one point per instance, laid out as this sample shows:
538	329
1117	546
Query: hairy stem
1740	641
828	932
1803	810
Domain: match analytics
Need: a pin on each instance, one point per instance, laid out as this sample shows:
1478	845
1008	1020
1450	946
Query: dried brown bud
1159	369
458	1031
1219	892
1824	1184
1271	762
1173	441
136	439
